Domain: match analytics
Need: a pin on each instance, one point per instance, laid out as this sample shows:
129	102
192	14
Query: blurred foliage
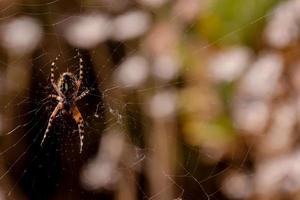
229	22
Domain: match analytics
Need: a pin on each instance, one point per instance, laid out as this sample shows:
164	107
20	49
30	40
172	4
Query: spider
67	89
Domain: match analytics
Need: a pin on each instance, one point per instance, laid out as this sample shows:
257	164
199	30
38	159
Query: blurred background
190	99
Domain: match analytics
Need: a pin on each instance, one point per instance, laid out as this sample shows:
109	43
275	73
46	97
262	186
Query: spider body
67	89
68	86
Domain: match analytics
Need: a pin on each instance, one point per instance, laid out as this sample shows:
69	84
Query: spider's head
67	84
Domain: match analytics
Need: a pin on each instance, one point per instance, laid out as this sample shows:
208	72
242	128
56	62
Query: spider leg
52	117
52	77
80	70
83	94
58	98
52	96
52	70
80	123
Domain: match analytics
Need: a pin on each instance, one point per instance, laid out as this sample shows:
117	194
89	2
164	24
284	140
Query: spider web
127	146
